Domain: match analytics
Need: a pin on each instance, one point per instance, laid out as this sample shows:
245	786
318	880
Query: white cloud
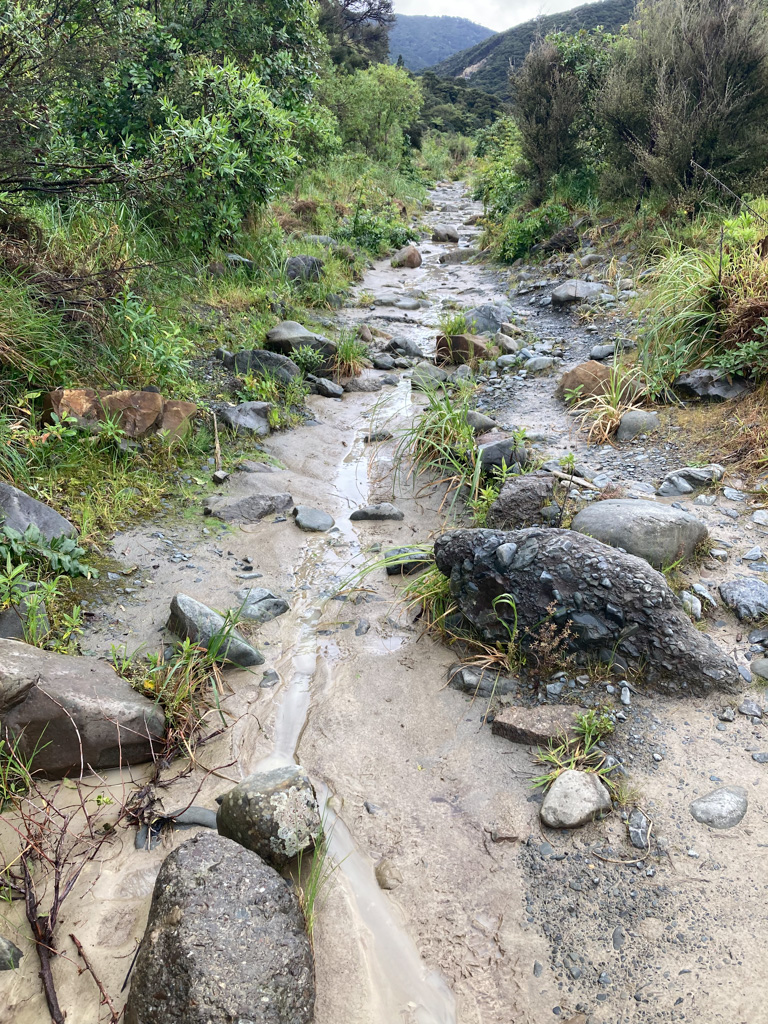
495	14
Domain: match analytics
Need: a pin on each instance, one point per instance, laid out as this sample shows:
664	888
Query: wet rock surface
74	714
312	520
613	601
225	941
191	619
521	501
247	508
660	534
10	955
273	813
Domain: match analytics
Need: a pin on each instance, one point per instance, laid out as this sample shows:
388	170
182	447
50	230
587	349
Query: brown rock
364	333
537	726
137	412
177	417
591	380
460	348
408	257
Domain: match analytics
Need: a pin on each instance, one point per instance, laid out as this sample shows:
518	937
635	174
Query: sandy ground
495	919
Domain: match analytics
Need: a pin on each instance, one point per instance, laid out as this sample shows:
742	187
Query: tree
357	31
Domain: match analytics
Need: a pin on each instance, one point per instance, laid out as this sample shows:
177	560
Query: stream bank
491	917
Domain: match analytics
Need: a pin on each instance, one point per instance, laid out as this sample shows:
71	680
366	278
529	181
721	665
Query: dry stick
576	480
105	1000
216	446
42	933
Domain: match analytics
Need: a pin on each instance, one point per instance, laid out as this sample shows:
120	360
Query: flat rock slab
18	510
537	726
574	799
747	597
690	478
660	534
251	418
191	619
273	813
722	808
251	508
77	712
312	520
383	510
225	941
575	291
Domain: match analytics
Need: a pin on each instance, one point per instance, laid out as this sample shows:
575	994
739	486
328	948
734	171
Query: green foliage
308	359
519	233
148	349
31	548
452	322
374	108
350	355
15	769
286	397
453	105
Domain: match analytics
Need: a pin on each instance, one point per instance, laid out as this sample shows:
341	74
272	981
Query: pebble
761	758
625	696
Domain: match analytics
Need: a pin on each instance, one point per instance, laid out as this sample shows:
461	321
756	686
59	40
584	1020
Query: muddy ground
492	918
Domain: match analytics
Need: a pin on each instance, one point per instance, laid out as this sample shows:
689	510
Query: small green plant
593	725
59	554
452	322
308	359
286	396
312	879
350	356
582	755
15	768
601	413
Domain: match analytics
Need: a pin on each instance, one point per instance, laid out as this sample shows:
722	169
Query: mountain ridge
423	39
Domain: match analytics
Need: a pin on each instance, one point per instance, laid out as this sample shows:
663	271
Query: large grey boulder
259	360
713	385
74	713
636	421
290	335
746	596
312	520
191	619
488	318
508	452
19	511
246	418
225	943
444	233
248	508
521	500
273	813
408	257
574	799
304	268
660	534
722	808
616	604
576	291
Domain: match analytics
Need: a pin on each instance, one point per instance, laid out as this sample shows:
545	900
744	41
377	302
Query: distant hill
423	40
486	64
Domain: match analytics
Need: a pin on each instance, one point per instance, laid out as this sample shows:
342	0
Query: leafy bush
377	233
519	233
58	555
308	359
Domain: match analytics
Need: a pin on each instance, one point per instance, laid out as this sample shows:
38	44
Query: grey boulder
383	510
636	421
425	376
246	418
324	387
479	422
248	508
444	233
273	813
19	511
507	452
747	597
290	335
312	520
521	501
409	257
617	606
658	533
191	619
574	799
714	385
575	291
259	360
403	561
690	478
303	268
74	714
722	808
488	318
225	942
260	605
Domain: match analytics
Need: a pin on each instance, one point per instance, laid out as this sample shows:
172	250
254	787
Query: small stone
625	696
220	477
747	597
638	827
760	517
750	708
753	555
312	520
387	875
190	619
733	495
759	667
574	799
722	808
691	605
727	715
761	758
10	955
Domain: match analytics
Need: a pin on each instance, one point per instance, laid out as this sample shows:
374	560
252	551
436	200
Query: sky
495	14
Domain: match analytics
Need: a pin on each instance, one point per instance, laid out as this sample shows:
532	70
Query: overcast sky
495	14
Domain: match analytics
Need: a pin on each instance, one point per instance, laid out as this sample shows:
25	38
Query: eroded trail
448	903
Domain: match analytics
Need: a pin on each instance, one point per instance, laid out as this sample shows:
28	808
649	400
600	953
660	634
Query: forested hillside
422	40
487	64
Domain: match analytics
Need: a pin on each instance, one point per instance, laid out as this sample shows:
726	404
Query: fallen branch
105	1000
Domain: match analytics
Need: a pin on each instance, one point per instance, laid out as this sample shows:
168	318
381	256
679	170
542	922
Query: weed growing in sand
351	354
452	322
286	397
601	414
312	879
16	768
581	754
